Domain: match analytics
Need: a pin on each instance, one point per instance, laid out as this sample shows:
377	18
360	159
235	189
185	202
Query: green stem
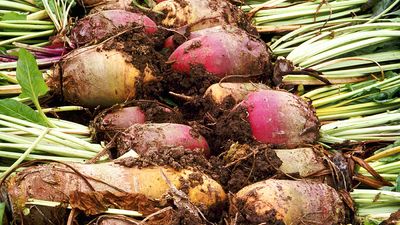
54	150
24	27
42	14
325	101
15	155
25	154
29	36
18	6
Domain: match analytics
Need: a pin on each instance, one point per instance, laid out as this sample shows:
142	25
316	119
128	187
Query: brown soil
248	164
240	166
231	127
247	216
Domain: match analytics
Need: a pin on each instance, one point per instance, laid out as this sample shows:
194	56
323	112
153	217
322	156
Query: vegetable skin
281	118
293	202
142	137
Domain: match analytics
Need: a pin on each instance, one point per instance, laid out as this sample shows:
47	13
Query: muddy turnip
142	137
117	119
280	118
100	76
198	14
288	202
57	182
230	51
98	26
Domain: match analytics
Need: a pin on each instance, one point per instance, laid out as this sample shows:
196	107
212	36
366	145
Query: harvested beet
117	119
105	74
142	137
104	185
98	26
280	118
199	14
287	202
230	51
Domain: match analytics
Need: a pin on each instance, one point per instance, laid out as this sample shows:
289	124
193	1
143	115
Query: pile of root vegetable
125	112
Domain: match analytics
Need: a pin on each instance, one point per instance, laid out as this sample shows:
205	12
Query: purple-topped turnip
227	51
98	26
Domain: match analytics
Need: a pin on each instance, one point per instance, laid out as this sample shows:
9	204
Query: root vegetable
280	118
292	202
198	14
56	182
142	137
300	161
95	76
118	119
229	52
219	93
98	26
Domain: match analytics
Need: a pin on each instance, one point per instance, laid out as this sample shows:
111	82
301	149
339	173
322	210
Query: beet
108	73
101	25
197	15
287	202
230	51
143	137
281	118
117	119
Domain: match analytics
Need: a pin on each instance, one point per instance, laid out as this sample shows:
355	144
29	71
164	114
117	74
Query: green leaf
2	209
31	81
11	107
29	76
397	184
13	16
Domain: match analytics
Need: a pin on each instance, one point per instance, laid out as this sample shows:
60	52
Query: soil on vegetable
194	84
241	215
248	164
241	165
154	111
231	127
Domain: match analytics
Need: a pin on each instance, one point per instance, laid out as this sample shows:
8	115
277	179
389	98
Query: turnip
98	75
199	14
236	92
275	117
98	26
117	119
231	51
57	182
291	202
142	137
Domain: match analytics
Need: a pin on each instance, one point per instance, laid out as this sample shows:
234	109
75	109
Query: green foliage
12	16
29	77
11	107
